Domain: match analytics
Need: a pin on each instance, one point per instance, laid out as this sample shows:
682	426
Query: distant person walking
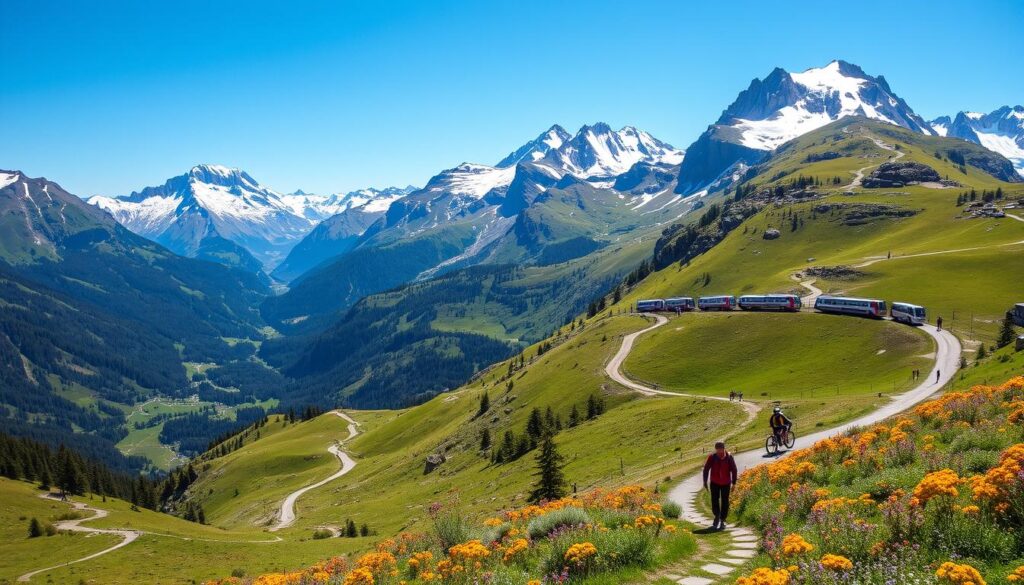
732	396
938	323
720	470
938	374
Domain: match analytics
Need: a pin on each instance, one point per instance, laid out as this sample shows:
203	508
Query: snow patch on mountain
534	150
471	179
1001	131
598	151
824	95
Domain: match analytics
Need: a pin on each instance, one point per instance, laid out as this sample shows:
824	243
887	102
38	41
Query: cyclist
780	424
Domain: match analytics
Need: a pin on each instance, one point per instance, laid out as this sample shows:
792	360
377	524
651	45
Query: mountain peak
1001	131
535	149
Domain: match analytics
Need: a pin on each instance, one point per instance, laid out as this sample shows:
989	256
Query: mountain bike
777	440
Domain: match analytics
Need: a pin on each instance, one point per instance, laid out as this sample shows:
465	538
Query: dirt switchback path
614	371
128	536
286	517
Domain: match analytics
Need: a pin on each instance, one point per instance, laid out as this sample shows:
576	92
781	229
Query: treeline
986	196
538	425
67	470
195	432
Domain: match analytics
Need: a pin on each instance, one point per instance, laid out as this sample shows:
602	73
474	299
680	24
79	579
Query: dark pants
720	501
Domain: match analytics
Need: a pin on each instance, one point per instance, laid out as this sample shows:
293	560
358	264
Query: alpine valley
204	354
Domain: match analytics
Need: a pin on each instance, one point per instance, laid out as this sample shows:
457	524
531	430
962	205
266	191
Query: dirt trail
286	517
128	536
614	371
858	175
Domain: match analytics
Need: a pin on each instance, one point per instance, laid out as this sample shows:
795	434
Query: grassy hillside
974	272
698	353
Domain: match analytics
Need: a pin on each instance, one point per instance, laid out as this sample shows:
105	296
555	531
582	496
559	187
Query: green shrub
495	533
622	548
450	529
238	573
671	510
613	518
541	526
322	533
69	515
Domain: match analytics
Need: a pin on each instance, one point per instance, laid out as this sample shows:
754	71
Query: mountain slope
1000	131
785	105
211	202
473	214
352	215
93	316
536	149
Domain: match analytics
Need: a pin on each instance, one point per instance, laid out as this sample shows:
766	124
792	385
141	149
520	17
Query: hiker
741	397
720	469
938	323
732	396
938	374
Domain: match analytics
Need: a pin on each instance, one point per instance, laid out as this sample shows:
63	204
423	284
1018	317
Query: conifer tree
485	439
1006	333
485	404
550	483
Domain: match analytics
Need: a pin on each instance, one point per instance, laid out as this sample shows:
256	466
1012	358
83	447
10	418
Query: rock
899	174
827	155
834	272
433	461
771	234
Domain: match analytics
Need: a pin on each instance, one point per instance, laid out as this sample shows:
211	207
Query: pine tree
1006	333
550	479
350	529
485	439
485	404
535	425
364	530
35	529
574	416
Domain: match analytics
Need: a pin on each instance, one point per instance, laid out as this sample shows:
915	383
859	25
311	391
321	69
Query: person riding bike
780	424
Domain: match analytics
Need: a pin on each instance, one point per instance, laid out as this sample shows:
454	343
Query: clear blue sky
330	96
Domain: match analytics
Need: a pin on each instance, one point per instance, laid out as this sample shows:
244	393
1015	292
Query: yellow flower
580	552
794	544
836	562
1017	576
765	576
955	574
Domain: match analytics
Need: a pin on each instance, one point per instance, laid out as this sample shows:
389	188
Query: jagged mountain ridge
200	212
783	106
466	215
1001	131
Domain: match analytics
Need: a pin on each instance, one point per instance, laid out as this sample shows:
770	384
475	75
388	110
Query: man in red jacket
721	469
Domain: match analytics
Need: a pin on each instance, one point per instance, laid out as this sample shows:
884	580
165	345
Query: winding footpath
614	371
743	541
286	517
127	536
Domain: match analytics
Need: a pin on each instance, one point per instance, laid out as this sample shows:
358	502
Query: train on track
908	313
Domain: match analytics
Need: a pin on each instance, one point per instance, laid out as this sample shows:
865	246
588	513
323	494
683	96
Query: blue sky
332	96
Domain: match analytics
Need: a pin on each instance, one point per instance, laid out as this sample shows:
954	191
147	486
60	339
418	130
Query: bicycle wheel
791	440
771	445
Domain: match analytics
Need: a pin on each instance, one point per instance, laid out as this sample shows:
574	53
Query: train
680	304
901	312
717	303
851	306
790	303
908	313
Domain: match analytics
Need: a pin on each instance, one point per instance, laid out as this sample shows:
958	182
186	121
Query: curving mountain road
74	526
947	363
286	517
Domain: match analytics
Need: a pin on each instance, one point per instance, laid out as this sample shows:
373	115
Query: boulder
433	461
900	174
771	234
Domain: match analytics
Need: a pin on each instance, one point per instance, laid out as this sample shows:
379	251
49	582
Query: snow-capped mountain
349	217
785	105
1001	131
317	208
553	199
211	203
598	151
535	150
